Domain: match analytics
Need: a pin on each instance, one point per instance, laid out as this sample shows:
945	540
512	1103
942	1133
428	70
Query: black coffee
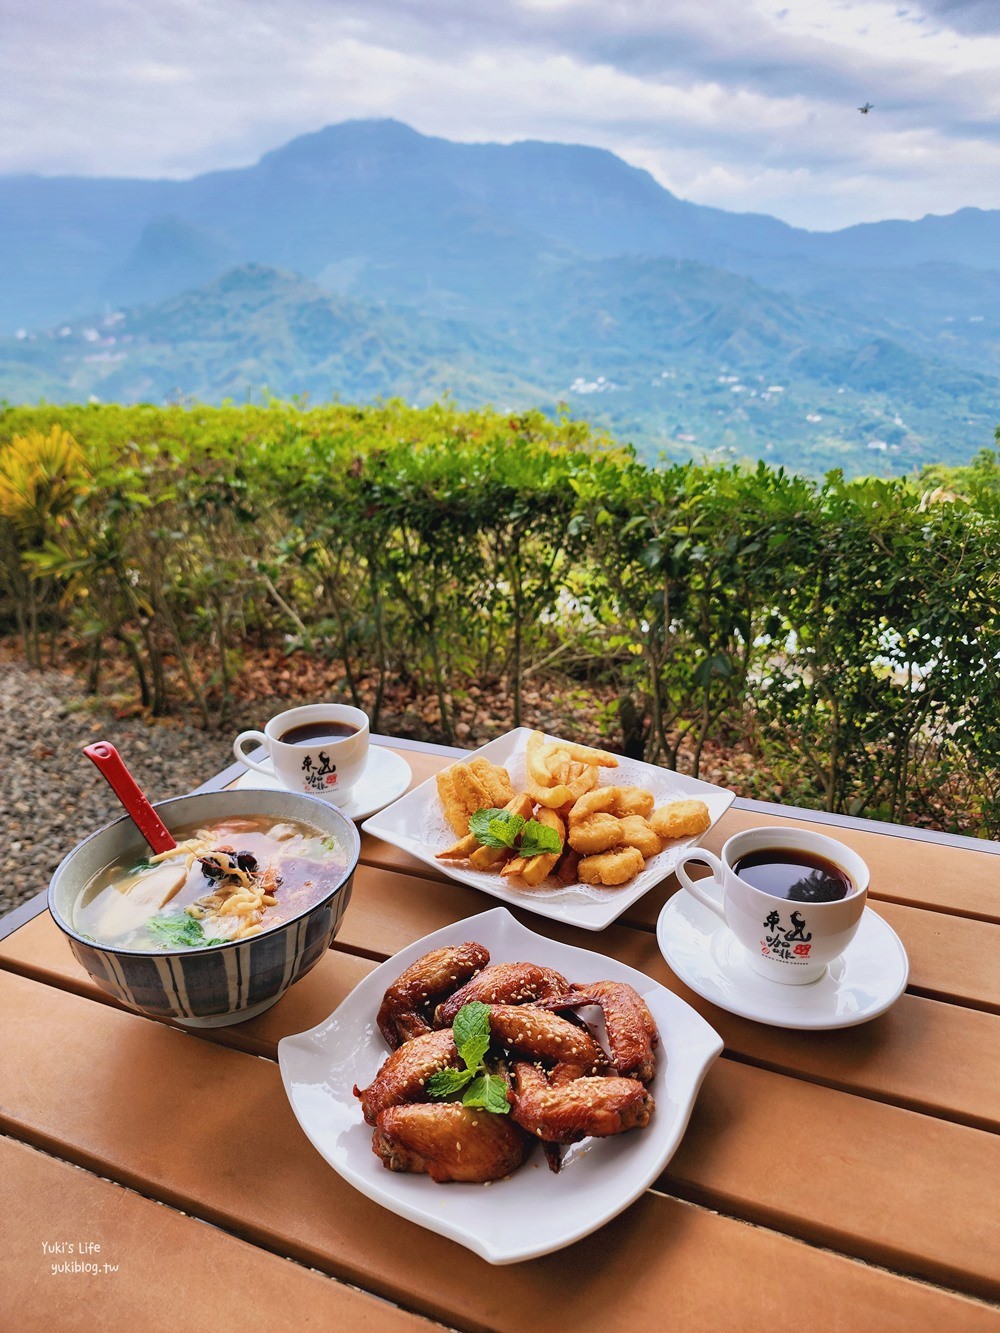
801	877
318	733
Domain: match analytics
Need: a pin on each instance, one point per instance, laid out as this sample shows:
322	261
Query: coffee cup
319	749
793	898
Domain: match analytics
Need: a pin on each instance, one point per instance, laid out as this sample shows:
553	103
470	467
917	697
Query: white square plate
534	1211
416	823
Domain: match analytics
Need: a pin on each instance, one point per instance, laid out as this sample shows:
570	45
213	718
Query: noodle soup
229	880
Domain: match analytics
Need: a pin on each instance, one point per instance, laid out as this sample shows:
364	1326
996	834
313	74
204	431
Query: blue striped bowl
226	983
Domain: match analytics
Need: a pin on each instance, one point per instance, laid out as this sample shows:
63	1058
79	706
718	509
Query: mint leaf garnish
446	1082
502	829
496	828
471	1029
488	1092
537	839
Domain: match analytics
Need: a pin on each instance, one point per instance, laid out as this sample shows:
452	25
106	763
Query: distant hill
260	329
368	259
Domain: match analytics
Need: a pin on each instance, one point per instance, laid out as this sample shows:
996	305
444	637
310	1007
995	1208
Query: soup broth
225	881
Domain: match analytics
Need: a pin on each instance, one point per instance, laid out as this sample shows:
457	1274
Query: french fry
488	858
607	832
536	868
567	871
583	779
587	754
549	797
535	758
461	850
558	763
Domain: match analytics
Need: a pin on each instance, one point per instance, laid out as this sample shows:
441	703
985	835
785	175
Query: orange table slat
811	1154
937	1217
116	1260
236	1120
939	1058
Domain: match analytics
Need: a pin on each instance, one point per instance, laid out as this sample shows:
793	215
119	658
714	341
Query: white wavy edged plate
416	824
533	1212
386	776
868	977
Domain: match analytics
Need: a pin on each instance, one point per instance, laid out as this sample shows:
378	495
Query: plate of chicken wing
502	1089
568	831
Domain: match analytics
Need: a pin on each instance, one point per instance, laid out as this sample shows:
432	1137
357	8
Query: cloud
746	104
971	17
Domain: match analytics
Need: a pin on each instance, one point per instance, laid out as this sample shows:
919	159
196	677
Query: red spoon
111	766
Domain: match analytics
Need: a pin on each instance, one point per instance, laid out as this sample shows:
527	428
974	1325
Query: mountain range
366	260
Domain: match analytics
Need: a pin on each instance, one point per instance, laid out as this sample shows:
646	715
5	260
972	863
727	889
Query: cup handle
267	767
698	887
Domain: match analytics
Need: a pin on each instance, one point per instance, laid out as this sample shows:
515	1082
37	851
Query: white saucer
387	775
867	978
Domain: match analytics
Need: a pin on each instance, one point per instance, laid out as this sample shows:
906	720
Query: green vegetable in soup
179	931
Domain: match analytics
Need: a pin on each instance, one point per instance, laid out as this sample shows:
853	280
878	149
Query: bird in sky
866	108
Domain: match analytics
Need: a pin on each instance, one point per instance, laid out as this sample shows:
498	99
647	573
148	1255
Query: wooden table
842	1180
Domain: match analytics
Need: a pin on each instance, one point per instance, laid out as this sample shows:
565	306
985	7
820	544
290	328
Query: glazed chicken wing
532	1031
503	983
404	1074
632	1033
567	1112
403	1013
449	1141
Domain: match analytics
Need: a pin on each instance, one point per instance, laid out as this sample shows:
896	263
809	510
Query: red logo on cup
802	950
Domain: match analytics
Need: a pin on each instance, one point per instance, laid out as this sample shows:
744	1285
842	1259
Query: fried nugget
680	819
466	788
634	801
597	833
618	801
452	804
636	832
495	781
476	787
612	868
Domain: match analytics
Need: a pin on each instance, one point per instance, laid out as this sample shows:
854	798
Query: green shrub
847	632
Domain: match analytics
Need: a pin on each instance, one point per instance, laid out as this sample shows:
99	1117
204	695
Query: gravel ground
51	796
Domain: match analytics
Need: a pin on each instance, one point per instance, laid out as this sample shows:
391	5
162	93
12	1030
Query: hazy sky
745	104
